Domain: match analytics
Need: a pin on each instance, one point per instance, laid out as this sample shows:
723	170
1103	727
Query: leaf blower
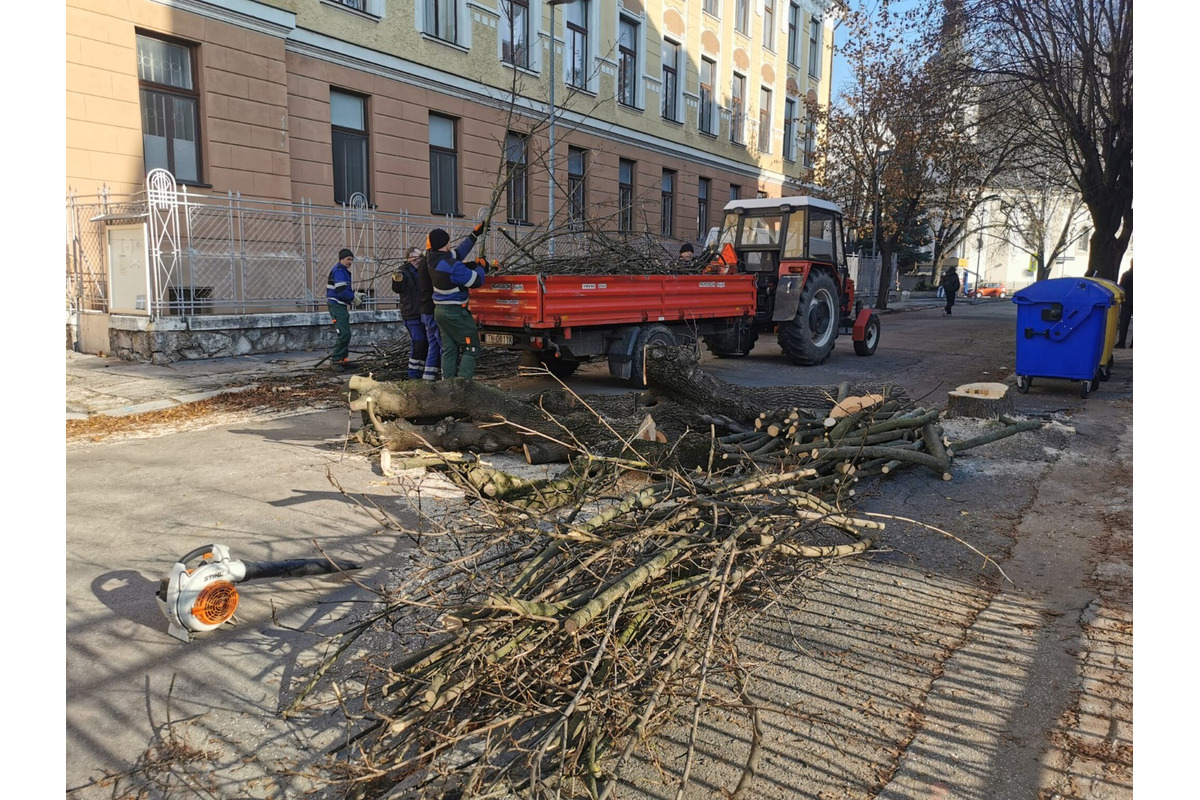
201	598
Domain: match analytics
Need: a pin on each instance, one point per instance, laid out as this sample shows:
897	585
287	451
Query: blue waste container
1062	324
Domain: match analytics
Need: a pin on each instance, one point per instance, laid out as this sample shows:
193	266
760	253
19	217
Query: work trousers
341	319
433	353
418	349
460	340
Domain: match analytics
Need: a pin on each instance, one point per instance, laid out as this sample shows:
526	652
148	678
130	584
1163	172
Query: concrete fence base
171	339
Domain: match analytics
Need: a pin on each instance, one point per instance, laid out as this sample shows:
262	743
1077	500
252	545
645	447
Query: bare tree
1070	64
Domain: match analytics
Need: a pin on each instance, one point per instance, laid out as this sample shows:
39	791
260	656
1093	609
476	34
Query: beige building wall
265	71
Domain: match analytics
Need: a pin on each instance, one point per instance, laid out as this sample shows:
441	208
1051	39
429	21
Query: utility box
1063	331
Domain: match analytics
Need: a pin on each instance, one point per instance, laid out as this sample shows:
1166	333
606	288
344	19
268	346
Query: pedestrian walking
952	286
340	297
452	281
1126	283
406	283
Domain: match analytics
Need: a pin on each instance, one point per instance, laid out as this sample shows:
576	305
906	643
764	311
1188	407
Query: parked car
990	290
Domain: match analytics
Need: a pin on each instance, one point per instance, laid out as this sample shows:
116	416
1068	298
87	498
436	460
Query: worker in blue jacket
340	297
452	281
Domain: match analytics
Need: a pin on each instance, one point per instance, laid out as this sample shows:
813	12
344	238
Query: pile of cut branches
574	616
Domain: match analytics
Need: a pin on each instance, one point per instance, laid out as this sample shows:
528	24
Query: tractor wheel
561	368
650	335
870	339
735	344
808	338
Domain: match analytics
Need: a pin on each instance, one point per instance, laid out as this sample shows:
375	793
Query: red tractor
806	292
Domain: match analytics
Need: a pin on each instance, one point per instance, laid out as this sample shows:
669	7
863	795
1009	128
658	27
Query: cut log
980	400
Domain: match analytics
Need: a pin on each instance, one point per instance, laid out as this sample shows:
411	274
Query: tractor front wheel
807	339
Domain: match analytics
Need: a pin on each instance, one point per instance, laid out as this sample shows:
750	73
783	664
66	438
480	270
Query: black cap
345	253
438	239
686	247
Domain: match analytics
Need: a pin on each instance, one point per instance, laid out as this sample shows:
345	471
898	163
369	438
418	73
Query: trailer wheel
650	335
560	368
870	339
733	345
808	338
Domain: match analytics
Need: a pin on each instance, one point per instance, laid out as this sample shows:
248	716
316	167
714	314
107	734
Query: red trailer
565	320
775	265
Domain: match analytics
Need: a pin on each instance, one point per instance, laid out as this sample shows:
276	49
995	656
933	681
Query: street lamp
554	4
879	157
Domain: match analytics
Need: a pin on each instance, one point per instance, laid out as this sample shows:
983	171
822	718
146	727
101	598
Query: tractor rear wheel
808	338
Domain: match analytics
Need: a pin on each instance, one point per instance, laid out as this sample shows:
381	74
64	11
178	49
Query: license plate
497	338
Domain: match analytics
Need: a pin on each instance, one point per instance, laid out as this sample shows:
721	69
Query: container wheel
1106	369
870	339
1023	383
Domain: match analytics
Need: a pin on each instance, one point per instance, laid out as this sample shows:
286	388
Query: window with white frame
514	32
443	165
712	7
348	115
741	17
625	187
170	106
373	7
576	188
667	227
670	80
737	110
516	158
810	142
627	61
795	43
577	43
441	19
764	120
768	31
789	128
814	47
708	103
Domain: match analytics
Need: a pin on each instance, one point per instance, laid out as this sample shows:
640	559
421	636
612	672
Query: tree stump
980	401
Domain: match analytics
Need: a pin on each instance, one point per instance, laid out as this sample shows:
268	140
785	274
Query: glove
359	299
479	229
482	262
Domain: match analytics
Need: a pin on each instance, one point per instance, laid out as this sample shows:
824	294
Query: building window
737	110
668	203
514	32
670	80
712	7
577	43
794	42
348	115
441	19
703	189
708	115
517	189
627	49
789	128
170	108
576	188
741	17
761	195
810	142
357	5
769	24
626	170
443	165
764	121
735	191
814	48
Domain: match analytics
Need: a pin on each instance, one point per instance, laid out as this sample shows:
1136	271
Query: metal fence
206	254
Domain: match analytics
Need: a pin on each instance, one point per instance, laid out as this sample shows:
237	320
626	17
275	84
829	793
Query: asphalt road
919	672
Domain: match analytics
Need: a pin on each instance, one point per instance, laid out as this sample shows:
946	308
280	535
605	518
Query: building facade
659	110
